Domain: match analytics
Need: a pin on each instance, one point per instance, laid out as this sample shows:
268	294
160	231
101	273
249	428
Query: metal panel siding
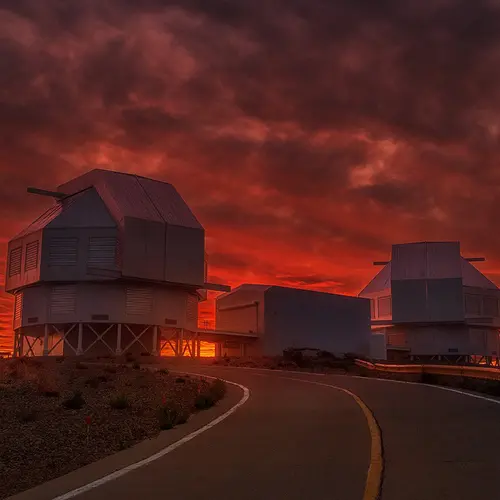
445	300
443	260
191	312
381	282
84	209
185	255
143	249
445	339
15	258
473	277
472	304
434	260
31	255
42	221
63	251
303	319
378	347
102	252
409	261
63	300
241	320
490	306
169	203
129	196
139	301
409	300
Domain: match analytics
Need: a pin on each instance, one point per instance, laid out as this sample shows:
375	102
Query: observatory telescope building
117	264
430	302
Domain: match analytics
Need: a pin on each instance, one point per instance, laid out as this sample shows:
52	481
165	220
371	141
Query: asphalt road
298	440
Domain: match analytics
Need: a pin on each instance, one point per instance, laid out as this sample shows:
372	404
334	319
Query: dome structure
429	300
116	260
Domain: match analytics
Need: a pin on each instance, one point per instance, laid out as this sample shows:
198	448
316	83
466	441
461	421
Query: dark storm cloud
262	112
394	195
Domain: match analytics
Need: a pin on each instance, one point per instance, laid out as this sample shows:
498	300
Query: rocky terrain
58	415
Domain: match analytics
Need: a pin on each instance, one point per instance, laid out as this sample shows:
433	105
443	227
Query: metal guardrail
485	373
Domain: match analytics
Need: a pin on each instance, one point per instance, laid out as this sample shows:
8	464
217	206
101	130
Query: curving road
297	437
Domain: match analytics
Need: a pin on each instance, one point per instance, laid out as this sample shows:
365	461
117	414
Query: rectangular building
284	318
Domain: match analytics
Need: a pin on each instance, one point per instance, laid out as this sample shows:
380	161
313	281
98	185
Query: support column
119	339
155	341
198	348
46	339
79	349
15	352
21	343
180	349
193	346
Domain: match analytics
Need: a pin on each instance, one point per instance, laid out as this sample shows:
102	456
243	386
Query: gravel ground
41	439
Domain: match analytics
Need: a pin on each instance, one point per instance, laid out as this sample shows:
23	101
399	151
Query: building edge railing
480	372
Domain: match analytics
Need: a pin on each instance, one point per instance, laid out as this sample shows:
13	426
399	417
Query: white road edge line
269	370
435	386
129	468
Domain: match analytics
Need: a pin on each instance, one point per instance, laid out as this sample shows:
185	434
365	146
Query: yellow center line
375	470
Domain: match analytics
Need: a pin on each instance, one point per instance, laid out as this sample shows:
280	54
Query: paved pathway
299	440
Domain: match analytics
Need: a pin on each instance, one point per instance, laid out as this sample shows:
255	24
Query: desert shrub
136	365
217	390
120	402
59	359
92	382
48	384
27	415
180	380
164	371
169	415
75	401
81	366
204	401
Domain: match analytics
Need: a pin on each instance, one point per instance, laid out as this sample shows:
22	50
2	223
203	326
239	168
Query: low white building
282	318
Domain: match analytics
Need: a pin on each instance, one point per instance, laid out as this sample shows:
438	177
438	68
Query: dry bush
217	389
49	383
120	402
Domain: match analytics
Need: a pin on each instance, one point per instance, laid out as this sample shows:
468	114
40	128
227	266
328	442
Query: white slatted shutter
15	261
63	251
102	252
139	301
63	300
31	256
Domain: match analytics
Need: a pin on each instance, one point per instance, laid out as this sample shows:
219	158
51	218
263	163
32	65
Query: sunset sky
306	135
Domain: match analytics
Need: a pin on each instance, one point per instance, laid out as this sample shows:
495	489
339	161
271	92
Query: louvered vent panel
63	251
31	260
18	309
139	301
63	300
15	261
102	252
